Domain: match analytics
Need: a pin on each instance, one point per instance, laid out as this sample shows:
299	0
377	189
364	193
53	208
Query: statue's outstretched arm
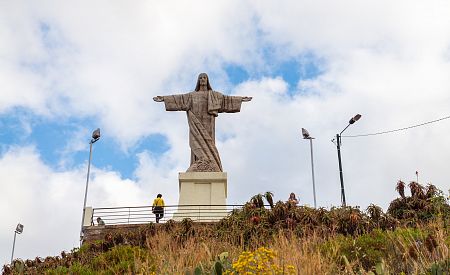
158	98
246	98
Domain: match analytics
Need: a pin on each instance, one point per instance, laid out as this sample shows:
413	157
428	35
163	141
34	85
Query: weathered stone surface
94	233
98	233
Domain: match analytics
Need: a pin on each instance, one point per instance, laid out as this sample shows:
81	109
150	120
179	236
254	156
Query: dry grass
407	250
175	257
411	238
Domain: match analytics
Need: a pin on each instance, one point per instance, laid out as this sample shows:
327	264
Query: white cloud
118	56
49	203
39	199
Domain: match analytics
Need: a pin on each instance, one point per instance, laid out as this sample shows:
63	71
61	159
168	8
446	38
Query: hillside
412	237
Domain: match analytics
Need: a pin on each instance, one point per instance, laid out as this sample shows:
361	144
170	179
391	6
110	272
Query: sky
69	68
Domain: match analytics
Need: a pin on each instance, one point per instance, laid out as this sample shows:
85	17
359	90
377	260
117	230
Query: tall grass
407	250
412	238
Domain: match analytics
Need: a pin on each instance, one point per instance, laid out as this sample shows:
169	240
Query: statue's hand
246	98
158	98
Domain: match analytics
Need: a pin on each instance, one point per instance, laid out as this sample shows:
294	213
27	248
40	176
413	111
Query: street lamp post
338	145
307	136
95	138
19	230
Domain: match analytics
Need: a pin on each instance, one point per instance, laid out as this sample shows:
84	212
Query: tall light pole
19	230
338	145
307	136
95	138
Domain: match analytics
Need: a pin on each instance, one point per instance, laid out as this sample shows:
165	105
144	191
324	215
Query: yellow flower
260	261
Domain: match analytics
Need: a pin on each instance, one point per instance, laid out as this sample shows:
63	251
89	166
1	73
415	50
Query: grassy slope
412	237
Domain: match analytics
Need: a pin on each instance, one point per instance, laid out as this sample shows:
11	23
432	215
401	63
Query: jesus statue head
203	83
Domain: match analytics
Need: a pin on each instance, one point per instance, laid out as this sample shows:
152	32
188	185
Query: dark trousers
159	213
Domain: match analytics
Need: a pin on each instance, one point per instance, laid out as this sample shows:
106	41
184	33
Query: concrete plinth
202	196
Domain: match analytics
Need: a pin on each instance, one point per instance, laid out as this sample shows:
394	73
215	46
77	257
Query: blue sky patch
236	74
304	67
311	66
51	139
292	70
289	71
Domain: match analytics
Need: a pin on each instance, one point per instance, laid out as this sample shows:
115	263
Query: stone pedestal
202	196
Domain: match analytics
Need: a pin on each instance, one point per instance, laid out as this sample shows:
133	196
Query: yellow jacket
158	202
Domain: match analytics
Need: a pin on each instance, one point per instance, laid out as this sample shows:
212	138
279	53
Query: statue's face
203	79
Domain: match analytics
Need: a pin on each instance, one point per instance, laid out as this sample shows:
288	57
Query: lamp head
354	119
96	134
305	134
19	228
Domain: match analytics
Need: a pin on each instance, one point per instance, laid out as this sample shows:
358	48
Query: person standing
158	207
100	222
292	199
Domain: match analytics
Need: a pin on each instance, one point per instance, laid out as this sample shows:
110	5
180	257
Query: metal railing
143	214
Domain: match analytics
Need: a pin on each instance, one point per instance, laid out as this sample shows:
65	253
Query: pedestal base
202	196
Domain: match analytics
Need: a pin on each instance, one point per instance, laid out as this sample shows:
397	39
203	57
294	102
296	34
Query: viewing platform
134	217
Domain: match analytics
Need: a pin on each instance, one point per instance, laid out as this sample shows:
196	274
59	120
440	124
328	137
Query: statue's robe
202	108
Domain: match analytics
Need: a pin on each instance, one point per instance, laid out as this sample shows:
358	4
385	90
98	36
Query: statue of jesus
202	107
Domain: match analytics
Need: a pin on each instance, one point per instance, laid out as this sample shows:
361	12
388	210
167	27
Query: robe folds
202	108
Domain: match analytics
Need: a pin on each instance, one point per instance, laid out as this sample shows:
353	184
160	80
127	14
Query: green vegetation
282	238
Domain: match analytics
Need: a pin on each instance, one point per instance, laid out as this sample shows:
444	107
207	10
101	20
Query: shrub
124	259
